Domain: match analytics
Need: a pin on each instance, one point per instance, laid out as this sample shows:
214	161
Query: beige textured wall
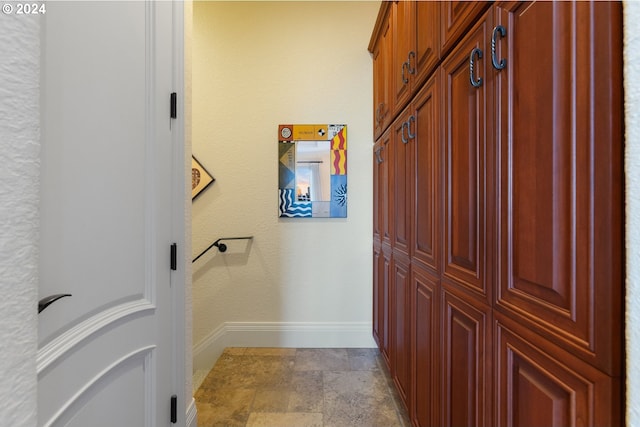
19	216
632	211
257	65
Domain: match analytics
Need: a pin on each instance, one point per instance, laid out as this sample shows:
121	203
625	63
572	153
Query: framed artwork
312	171
200	178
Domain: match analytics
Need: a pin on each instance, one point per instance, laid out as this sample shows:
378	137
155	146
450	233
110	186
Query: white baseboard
192	414
281	334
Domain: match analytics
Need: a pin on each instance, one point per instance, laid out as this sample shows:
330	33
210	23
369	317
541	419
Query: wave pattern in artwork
291	209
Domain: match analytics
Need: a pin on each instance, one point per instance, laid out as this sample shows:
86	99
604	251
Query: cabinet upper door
382	79
559	107
465	156
426	21
426	201
456	17
403	44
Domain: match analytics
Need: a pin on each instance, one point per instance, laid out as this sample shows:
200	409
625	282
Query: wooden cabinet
382	169
425	288
416	47
539	384
382	49
501	188
466	127
403	141
425	204
466	362
560	181
455	18
401	321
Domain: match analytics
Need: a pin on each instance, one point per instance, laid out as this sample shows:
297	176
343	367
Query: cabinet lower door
426	344
401	320
466	382
538	384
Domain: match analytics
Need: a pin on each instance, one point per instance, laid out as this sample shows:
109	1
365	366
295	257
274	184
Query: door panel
403	43
465	139
401	182
426	170
106	204
456	17
560	183
386	171
401	324
538	388
466	361
426	344
427	25
382	79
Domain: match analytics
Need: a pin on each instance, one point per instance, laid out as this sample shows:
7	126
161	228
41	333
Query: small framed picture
200	178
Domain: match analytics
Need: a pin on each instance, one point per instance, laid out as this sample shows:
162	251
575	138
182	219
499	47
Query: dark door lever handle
47	301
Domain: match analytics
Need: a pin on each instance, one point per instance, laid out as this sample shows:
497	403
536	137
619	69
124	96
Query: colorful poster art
312	171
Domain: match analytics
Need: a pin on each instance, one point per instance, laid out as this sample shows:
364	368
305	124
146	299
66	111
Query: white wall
632	212
300	282
19	186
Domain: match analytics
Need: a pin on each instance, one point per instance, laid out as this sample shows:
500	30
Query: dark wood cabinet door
466	362
384	305
382	78
560	224
402	182
455	18
426	22
426	197
426	345
535	387
401	324
378	295
465	139
377	188
403	42
385	182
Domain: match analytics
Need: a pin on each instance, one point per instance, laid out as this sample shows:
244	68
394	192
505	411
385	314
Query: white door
106	354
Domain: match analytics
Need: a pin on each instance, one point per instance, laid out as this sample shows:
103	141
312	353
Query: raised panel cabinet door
385	183
382	79
465	141
403	128
378	297
401	326
426	346
455	18
426	21
377	206
403	44
560	184
537	388
385	306
466	361
426	200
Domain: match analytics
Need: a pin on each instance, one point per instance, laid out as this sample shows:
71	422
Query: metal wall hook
47	301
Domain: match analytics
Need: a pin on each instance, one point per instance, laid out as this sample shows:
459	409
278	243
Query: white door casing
108	355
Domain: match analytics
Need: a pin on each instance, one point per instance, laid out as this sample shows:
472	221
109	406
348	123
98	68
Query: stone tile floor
288	387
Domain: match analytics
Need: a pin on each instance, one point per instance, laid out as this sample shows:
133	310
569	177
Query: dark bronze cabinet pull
503	62
47	301
379	158
475	52
412	119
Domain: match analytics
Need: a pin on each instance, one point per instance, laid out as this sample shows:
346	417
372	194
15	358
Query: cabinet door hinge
174	409
174	256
